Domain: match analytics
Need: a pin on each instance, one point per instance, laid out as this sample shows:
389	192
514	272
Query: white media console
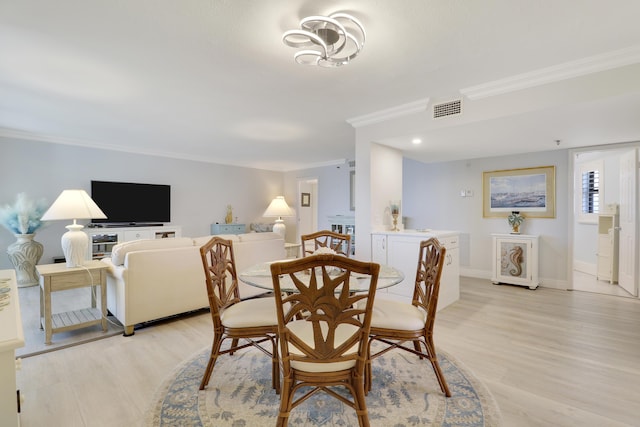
103	239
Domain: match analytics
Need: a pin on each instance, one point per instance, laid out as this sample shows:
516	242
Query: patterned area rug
405	393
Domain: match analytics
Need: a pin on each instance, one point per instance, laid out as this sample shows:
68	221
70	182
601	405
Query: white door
627	275
307	214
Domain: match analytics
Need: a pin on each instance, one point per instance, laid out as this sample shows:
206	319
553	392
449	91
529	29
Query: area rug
405	392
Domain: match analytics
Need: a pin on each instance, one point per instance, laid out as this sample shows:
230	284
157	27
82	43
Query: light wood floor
550	357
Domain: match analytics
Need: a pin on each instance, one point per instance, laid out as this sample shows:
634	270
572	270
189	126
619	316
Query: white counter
400	249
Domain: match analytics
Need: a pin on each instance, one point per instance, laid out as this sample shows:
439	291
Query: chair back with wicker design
409	325
323	328
339	243
246	323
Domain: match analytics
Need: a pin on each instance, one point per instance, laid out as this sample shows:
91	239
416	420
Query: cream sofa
156	278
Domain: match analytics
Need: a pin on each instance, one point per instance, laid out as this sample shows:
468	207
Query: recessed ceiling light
416	141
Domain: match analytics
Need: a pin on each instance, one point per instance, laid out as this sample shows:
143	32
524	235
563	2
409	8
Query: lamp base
278	227
74	245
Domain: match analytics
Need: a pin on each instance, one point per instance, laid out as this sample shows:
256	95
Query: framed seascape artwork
530	191
305	200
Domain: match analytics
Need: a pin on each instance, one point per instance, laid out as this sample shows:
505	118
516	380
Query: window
591	192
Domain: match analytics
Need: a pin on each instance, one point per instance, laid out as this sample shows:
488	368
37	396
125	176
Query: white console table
103	239
11	338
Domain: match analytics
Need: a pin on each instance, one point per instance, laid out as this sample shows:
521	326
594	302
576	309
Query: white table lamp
278	208
74	204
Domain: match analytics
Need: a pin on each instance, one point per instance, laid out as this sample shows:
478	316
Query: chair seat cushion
251	313
303	329
392	314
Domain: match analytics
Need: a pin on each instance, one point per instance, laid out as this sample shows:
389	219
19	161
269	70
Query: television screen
127	202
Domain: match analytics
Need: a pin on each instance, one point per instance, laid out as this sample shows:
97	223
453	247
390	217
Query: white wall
332	193
431	199
200	192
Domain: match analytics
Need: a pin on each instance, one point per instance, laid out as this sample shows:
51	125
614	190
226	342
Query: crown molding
418	106
32	136
564	71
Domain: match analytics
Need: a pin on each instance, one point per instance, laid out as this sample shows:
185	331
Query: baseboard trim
545	283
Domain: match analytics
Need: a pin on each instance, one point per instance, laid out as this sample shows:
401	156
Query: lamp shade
74	204
278	208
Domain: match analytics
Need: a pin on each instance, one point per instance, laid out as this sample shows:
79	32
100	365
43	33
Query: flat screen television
132	203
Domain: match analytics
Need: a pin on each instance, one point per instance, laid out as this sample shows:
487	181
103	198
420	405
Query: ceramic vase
24	254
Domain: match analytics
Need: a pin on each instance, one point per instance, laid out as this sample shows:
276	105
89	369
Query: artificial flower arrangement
24	216
515	220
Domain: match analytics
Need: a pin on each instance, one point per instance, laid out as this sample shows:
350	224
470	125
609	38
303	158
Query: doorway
307	206
597	188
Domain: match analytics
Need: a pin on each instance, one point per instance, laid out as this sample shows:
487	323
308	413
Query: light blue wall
431	199
200	192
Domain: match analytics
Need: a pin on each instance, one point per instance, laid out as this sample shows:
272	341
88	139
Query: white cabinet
401	250
227	229
450	279
345	225
515	259
103	239
607	257
11	338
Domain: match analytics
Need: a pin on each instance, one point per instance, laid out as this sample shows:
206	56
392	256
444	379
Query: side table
58	277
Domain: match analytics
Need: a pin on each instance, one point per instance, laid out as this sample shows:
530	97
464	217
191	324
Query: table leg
93	296
47	310
40	320
103	298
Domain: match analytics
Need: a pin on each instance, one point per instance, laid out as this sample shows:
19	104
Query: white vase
24	254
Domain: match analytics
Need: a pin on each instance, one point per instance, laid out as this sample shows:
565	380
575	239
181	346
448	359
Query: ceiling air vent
451	108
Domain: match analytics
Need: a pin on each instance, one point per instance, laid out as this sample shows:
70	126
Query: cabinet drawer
449	242
137	234
227	228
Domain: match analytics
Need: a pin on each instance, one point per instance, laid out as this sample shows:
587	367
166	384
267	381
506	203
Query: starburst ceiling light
336	39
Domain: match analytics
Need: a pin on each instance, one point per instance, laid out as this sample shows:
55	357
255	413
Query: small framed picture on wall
305	200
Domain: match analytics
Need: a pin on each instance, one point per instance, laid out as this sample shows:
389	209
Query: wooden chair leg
234	344
433	358
286	397
215	350
368	375
275	366
416	346
360	402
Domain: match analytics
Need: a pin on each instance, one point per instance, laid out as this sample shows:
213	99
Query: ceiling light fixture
336	39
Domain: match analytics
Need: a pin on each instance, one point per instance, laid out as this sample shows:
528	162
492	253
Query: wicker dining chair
395	323
339	243
322	331
254	321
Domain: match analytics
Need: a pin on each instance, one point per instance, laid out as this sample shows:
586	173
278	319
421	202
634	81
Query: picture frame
530	191
305	200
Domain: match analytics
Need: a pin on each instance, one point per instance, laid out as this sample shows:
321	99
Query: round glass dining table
259	275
